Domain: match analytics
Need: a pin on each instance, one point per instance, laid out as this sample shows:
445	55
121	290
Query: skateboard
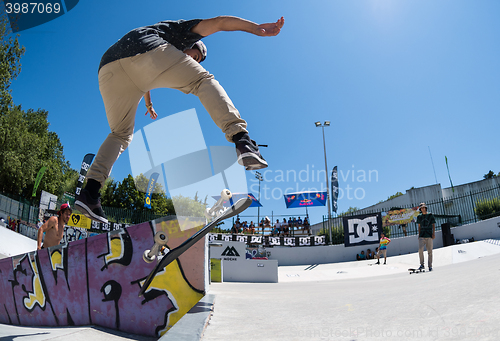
414	271
161	238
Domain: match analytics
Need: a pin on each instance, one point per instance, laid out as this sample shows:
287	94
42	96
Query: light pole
258	176
326	124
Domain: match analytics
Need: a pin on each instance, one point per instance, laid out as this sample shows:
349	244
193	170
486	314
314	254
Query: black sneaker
248	152
91	208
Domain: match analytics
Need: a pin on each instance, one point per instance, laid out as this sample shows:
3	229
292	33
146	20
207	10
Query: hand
152	113
270	29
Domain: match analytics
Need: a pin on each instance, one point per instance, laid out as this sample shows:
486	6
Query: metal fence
22	209
17	209
455	210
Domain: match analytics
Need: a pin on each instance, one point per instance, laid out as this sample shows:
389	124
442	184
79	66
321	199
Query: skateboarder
165	55
382	250
426	234
54	228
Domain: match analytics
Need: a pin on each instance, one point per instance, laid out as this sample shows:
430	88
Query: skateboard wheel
147	258
161	238
226	194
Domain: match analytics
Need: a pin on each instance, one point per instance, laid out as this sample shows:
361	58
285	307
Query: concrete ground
459	300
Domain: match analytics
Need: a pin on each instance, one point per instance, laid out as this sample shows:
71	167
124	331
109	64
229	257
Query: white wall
286	256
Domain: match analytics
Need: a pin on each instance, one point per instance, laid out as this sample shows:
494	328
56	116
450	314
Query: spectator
284	224
277	228
369	254
384	241
234	229
54	228
404	229
287	227
361	256
251	228
238	225
426	234
307	226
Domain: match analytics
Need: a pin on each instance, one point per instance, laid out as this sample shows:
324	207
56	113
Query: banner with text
400	217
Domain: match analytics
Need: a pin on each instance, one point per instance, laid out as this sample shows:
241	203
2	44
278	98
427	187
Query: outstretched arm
229	23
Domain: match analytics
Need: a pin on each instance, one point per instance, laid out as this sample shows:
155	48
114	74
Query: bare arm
149	105
229	23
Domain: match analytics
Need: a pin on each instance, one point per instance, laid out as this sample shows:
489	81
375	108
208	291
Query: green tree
10	65
26	144
490	175
130	194
350	211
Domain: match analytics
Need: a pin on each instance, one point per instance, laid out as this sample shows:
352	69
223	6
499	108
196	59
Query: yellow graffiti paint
56	260
38	295
116	249
182	295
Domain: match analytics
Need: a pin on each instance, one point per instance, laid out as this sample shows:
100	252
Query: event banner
267	240
87	161
400	217
362	229
79	220
151	187
38	179
335	189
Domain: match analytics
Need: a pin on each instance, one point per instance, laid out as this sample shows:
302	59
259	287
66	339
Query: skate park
349	300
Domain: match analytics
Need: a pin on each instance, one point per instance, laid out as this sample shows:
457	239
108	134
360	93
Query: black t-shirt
144	39
426	221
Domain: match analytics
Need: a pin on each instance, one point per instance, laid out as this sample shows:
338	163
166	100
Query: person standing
54	228
426	234
382	249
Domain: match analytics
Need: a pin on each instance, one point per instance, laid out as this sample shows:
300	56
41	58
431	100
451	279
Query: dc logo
174	147
361	230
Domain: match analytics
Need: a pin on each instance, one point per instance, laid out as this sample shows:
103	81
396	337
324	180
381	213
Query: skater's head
422	207
65	212
198	51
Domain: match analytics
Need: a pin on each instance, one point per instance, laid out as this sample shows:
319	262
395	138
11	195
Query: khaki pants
124	82
428	243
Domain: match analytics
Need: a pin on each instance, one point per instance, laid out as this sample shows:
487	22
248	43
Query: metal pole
259	177
327	189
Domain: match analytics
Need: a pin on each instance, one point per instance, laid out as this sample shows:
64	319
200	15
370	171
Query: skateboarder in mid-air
165	55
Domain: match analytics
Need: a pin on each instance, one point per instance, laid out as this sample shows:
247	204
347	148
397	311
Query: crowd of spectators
280	228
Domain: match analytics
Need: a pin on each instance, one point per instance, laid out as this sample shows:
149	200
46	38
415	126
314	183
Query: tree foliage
491	175
26	144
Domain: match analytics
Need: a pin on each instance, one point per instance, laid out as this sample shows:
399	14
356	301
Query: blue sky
393	77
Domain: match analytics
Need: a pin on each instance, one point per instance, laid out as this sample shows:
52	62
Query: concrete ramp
95	281
13	243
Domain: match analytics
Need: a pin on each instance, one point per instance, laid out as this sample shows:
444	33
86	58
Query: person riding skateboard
54	228
165	55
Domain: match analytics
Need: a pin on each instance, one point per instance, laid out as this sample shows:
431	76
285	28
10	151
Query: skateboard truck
160	244
218	208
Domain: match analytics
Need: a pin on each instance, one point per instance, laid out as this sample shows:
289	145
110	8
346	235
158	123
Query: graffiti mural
96	280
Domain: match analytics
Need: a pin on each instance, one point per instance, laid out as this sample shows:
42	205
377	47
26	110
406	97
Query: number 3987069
32	7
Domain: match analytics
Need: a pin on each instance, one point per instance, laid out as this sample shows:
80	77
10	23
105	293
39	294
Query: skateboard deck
414	271
240	206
